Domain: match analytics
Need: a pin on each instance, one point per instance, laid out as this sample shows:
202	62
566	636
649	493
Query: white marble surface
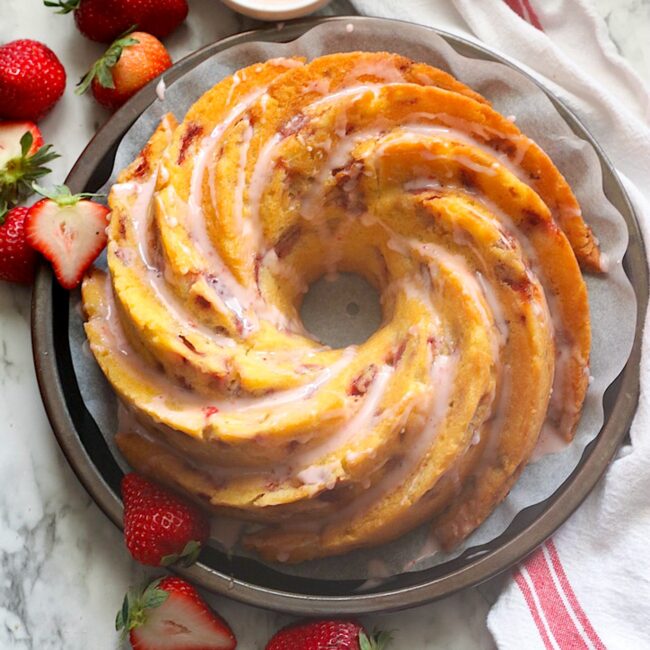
63	569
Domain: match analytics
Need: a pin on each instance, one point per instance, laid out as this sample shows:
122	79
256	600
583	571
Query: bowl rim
278	11
557	508
278	6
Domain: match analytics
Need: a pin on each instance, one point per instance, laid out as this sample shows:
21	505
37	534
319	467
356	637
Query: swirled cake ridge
361	162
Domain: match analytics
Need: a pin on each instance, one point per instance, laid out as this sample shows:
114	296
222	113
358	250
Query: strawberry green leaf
104	76
151	597
26	143
125	610
168	560
136	604
18	174
152	586
101	69
187	557
383	639
119	620
190	553
154	598
64	6
123	614
57	193
62	195
378	640
364	642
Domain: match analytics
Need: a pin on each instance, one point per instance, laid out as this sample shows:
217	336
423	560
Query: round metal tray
245	579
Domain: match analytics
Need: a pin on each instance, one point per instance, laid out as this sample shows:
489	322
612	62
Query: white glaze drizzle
187	403
356	426
246	303
475	285
141	216
442	373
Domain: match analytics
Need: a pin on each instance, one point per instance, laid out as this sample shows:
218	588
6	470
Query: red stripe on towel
531	16
532	606
560	621
524	9
571	597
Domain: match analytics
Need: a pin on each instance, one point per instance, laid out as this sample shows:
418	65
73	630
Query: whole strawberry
327	635
169	614
160	527
130	63
105	20
32	80
17	258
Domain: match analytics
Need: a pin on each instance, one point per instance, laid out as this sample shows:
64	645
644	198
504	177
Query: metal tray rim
568	497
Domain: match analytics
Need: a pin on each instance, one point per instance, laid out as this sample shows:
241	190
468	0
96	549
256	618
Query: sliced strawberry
22	160
170	615
68	230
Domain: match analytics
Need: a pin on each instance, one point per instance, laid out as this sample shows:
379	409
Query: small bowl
275	9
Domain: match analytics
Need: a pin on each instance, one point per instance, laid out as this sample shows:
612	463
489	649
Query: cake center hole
352	308
342	311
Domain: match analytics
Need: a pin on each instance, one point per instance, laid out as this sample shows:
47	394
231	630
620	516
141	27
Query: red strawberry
22	160
105	20
32	80
170	615
160	527
327	635
17	258
68	230
130	63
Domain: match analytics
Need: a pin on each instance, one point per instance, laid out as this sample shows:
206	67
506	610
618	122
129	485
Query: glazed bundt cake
366	163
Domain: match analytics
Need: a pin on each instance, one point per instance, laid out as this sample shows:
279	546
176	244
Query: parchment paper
612	300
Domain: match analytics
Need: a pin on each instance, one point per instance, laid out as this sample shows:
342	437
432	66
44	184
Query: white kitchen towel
589	585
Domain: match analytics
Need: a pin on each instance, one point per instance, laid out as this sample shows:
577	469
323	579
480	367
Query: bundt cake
360	162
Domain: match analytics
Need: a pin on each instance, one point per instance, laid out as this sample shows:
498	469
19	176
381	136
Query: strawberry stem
64	6
62	195
377	641
18	174
187	557
101	69
135	606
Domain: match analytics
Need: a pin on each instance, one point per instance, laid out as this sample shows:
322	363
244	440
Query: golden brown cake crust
361	162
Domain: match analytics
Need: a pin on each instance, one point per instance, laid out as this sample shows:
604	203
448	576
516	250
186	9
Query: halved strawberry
68	230
22	160
170	615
